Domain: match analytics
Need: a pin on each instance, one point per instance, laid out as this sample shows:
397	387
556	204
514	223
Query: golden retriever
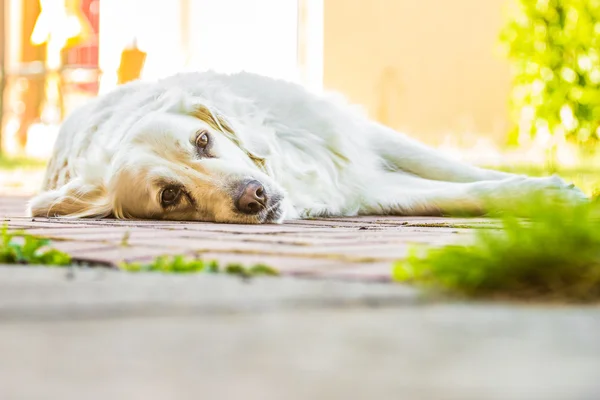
244	148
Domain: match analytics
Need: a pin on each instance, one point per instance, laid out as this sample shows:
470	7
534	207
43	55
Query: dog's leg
407	154
409	195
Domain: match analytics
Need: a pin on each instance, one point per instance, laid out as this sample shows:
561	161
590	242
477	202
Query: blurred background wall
427	67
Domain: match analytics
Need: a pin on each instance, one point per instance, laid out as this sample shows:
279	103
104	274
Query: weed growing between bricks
182	265
21	248
554	255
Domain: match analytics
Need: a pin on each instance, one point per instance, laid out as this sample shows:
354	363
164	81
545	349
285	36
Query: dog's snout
253	198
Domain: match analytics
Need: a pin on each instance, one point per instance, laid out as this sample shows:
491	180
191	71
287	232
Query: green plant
12	163
20	248
586	177
553	255
183	265
554	49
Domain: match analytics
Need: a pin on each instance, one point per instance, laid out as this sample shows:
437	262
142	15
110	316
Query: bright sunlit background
449	73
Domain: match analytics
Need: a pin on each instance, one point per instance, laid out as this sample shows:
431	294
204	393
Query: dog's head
174	164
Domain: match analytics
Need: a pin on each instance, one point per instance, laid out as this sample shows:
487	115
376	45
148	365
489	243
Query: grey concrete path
101	334
339	333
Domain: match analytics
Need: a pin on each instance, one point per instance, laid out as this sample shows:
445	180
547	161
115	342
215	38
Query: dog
244	148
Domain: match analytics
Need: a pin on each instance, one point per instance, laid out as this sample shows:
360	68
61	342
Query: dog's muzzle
254	199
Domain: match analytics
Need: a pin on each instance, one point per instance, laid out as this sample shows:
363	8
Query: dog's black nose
253	198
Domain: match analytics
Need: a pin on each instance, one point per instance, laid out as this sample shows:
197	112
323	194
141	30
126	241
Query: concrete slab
101	334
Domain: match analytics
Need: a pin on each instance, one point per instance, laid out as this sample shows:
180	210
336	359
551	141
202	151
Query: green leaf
181	264
262	269
555	254
31	251
555	42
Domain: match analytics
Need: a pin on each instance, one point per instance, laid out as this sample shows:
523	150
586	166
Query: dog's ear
75	199
212	118
220	123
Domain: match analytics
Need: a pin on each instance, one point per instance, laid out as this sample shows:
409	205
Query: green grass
12	163
20	248
586	177
554	255
183	265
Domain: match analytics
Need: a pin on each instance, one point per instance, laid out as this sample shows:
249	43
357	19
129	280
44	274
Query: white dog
244	148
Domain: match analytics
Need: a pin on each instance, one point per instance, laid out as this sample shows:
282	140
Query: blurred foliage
555	255
586	177
20	248
183	265
11	163
554	48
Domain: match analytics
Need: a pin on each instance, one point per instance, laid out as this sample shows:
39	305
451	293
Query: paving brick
30	224
295	239
266	239
358	248
104	234
323	223
388	235
78	248
356	251
366	252
257	229
373	222
116	254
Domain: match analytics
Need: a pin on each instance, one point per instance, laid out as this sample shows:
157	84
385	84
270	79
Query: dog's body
249	149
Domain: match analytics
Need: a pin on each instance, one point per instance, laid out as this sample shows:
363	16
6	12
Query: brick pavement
190	337
361	248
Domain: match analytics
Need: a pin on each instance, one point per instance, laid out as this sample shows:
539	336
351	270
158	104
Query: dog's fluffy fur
314	155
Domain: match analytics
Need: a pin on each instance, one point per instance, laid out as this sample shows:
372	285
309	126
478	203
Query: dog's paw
553	186
523	195
521	192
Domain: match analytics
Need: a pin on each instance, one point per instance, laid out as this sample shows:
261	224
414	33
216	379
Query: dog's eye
202	139
170	196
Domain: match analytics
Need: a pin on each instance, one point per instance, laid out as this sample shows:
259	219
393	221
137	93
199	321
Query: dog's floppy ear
220	123
212	118
75	199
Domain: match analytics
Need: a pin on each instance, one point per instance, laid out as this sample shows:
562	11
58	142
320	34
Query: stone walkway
98	333
345	248
102	334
